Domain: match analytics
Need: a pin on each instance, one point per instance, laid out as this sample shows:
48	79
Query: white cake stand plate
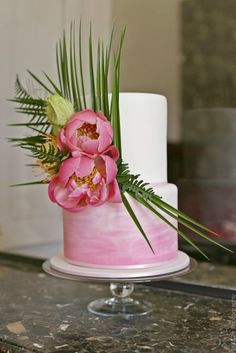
121	282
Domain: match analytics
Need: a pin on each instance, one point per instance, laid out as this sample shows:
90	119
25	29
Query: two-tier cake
106	235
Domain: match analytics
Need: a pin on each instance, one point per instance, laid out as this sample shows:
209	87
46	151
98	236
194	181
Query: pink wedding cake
106	236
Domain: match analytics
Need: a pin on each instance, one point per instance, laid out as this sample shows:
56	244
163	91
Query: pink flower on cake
83	181
88	132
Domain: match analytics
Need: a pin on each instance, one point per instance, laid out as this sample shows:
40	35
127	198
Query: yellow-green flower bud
58	110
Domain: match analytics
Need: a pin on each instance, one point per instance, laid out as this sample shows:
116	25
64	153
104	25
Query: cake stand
121	281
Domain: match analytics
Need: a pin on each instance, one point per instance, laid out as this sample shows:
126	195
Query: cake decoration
76	139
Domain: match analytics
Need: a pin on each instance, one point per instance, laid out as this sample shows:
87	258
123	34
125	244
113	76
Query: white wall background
29	30
151	55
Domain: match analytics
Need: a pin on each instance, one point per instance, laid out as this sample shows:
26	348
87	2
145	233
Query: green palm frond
105	67
47	153
66	60
71	79
144	193
40	83
194	229
31	106
30	141
31	124
91	73
57	90
76	89
28	183
132	183
115	112
135	219
27	103
98	78
81	66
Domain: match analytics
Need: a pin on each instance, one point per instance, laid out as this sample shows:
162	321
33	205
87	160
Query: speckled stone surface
210	274
40	313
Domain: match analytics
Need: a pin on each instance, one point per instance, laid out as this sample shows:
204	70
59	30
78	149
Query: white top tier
144	134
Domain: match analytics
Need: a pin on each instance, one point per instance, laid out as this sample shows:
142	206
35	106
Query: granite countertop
40	313
210	274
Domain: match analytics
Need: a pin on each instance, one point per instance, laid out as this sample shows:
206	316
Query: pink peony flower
83	181
88	132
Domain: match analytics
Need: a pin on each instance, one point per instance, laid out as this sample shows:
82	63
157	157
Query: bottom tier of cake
107	236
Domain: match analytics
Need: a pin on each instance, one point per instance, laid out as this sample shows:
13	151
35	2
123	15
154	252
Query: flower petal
114	192
87	116
68	168
90	146
110	167
73	124
51	188
105	135
85	167
113	152
102	116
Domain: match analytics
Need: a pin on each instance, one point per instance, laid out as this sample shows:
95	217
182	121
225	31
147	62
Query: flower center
88	130
88	179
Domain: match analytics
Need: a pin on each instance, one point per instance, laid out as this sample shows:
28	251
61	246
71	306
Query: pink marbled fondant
106	235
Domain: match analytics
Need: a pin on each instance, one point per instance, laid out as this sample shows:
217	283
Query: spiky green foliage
71	76
71	86
31	106
28	141
144	193
42	148
135	219
47	153
115	112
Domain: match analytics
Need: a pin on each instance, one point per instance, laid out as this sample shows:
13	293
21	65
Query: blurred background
183	49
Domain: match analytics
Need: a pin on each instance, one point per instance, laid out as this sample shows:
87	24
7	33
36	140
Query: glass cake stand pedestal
120	303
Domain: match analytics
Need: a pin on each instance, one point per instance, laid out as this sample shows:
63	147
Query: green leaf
81	65
29	124
20	91
73	72
135	219
98	83
105	72
183	235
62	59
108	54
196	231
47	154
130	183
65	68
158	201
118	56
32	140
40	82
105	106
91	73
30	111
26	104
115	113
39	103
59	72
57	90
30	183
